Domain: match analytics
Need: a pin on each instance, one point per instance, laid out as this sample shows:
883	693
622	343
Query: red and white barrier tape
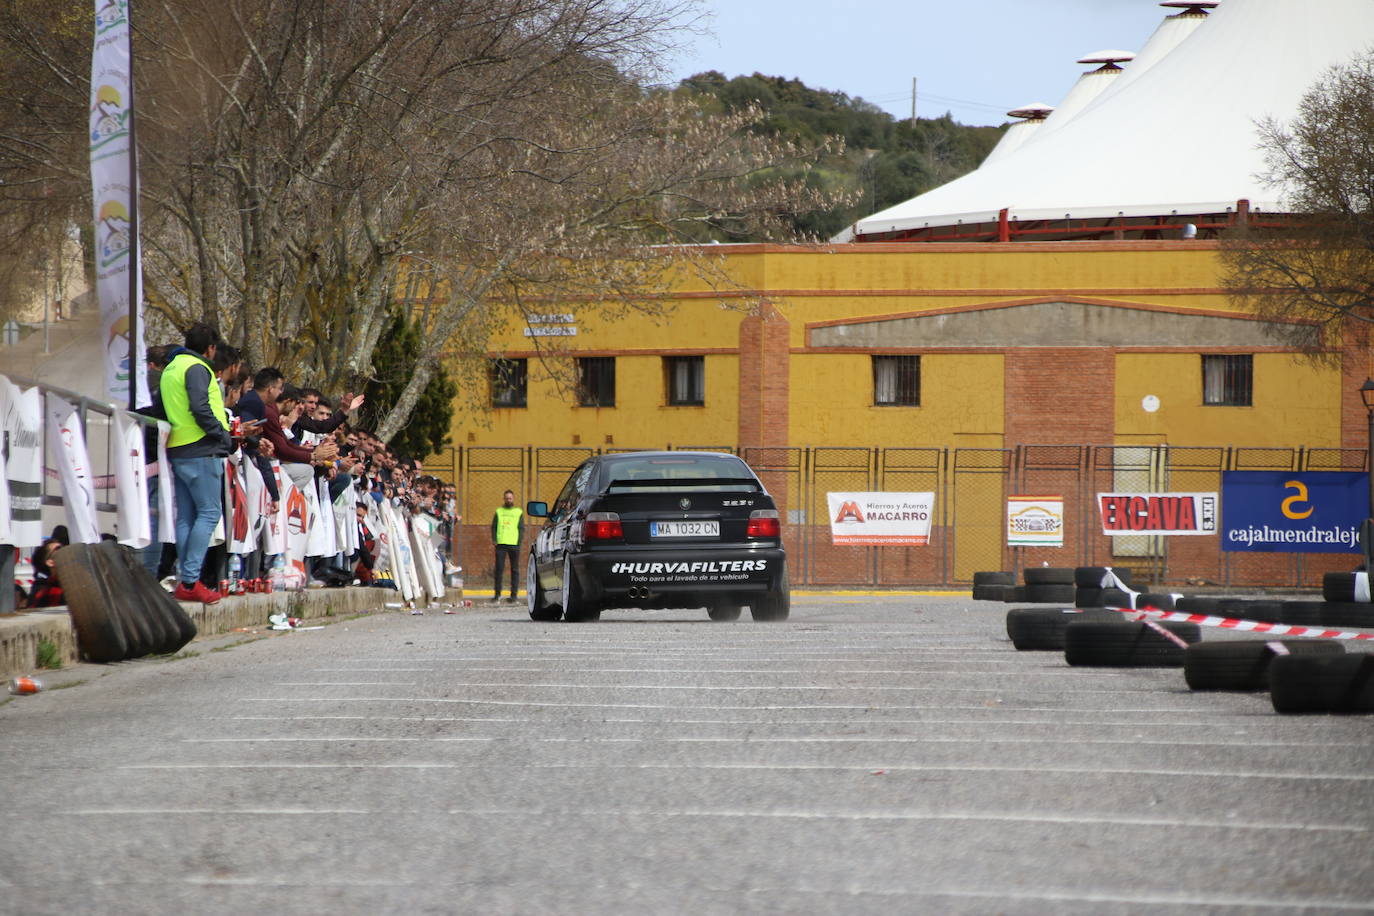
1246	626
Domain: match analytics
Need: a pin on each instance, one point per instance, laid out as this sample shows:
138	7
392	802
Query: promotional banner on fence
1035	521
131	482
113	183
67	445
1291	512
881	519
21	413
1158	513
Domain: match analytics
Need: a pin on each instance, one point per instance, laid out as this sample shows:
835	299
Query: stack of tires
1048	585
994	586
118	610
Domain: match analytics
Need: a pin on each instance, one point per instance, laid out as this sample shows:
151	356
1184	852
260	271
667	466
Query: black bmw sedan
659	530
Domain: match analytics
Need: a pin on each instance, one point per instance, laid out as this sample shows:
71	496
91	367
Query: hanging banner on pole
113	184
1035	521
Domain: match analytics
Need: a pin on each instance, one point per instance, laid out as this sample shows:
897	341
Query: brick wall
1059	395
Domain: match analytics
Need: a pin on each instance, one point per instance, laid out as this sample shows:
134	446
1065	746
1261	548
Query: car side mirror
537	509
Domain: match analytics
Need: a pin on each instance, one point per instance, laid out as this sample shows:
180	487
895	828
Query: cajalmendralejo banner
1292	512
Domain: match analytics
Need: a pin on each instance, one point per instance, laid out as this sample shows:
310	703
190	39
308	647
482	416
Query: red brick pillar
1063	396
764	364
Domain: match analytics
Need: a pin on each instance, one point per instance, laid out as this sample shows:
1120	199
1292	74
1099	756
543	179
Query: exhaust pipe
638	591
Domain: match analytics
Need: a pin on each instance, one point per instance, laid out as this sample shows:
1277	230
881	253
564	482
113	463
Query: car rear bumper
612	574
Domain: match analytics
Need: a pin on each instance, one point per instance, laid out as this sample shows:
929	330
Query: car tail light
602	526
763	523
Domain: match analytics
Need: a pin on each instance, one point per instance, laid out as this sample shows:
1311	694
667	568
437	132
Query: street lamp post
1367	529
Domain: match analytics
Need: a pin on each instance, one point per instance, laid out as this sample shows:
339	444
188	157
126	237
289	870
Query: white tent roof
1035	114
1176	136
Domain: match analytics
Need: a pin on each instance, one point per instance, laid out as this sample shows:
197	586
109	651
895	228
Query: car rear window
694	472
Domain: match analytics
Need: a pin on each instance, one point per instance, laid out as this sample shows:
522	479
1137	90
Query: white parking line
792	767
753	706
749	739
494	685
874	816
1285	725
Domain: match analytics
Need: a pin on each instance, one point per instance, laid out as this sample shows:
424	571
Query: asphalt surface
871	755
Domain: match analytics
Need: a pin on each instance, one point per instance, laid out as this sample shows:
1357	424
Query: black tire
724	612
1050	594
1115	597
1196	604
994	578
1300	613
991	592
1338	586
575	608
1249	609
1088	597
1041	629
1340	614
1047	575
150	600
100	634
1014	594
1160	601
1243	664
1124	644
535	597
1095	576
1325	683
776	603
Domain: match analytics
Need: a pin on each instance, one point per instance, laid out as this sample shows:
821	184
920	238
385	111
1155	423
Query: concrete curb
20	635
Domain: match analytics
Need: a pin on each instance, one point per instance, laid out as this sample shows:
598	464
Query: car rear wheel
724	611
776	603
534	594
575	607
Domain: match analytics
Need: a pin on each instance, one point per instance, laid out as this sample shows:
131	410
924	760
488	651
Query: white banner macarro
881	519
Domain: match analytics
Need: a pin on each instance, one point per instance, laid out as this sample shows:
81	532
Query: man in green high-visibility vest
507	527
196	449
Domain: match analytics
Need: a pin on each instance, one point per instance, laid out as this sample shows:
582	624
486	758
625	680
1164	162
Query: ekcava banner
113	180
1158	513
881	519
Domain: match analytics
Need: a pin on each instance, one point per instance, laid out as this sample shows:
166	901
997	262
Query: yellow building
971	370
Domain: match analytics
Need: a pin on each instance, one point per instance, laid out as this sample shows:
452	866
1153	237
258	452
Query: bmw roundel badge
685	503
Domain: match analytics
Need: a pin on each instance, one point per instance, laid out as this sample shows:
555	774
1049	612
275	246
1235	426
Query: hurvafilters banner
114	184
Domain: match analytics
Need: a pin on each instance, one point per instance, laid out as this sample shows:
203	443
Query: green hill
886	160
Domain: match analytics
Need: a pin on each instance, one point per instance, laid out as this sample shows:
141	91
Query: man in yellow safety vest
196	449
507	527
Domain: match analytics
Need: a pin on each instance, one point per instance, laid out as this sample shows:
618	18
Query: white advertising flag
67	445
131	481
881	519
166	489
21	416
113	183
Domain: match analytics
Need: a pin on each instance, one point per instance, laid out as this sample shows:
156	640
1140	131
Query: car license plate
684	529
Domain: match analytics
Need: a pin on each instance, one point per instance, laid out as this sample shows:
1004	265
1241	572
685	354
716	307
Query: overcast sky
974	58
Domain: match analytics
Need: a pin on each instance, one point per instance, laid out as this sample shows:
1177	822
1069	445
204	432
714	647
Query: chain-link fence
971	487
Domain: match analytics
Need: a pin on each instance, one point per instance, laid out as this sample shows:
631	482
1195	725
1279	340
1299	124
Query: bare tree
297	155
1317	276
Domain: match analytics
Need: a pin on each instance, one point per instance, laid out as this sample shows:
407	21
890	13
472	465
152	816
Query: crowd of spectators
217	406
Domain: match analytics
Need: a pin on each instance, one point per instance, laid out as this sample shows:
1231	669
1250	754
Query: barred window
686	376
596	381
509	382
1228	381
897	381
